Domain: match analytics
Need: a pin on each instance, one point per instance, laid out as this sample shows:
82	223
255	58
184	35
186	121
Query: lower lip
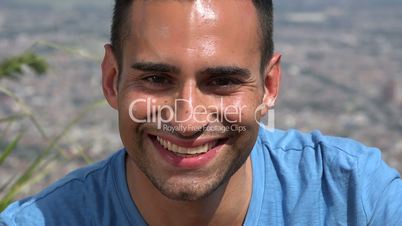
187	162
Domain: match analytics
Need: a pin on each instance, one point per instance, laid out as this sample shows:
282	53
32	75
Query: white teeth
183	150
169	145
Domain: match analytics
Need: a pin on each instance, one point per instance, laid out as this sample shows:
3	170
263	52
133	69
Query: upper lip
187	143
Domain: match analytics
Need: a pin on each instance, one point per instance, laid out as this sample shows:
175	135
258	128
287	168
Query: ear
110	73
272	79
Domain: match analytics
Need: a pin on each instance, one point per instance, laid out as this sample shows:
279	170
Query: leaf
12	118
10	147
13	67
29	172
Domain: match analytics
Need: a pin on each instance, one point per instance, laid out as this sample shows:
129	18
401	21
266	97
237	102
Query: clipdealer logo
162	115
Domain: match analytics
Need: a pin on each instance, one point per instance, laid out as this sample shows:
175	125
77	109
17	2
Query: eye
224	82
157	79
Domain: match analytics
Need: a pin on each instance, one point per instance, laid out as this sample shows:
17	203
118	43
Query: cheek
132	111
134	106
240	110
139	107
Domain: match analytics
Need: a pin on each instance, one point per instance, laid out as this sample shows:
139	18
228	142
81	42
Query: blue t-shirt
298	179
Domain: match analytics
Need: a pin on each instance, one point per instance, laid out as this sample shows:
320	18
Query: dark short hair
120	28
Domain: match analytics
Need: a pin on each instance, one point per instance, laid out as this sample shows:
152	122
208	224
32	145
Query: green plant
13	68
30	171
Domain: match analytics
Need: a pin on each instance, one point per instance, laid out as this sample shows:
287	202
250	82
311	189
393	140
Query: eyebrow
226	71
214	71
155	67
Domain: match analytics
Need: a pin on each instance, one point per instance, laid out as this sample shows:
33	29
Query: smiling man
190	81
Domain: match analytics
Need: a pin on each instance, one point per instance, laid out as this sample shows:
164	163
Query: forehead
202	29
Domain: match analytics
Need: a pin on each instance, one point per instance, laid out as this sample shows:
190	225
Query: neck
227	205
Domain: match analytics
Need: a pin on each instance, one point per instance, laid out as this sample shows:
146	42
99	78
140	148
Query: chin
194	188
188	189
185	195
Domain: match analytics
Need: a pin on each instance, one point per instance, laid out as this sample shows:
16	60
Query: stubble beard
191	190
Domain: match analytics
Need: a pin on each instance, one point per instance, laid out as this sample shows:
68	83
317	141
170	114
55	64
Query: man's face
201	59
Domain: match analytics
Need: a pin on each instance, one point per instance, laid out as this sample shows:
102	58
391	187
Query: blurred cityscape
342	65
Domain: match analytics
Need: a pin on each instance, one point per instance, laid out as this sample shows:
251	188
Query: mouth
187	153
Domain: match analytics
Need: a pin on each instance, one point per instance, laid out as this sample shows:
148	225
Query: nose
191	110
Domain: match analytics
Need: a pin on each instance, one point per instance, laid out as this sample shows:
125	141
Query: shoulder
65	196
294	140
321	153
339	174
